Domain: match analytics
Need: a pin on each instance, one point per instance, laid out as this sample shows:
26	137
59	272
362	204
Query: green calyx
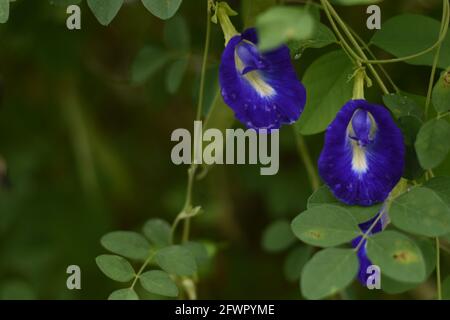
360	79
222	14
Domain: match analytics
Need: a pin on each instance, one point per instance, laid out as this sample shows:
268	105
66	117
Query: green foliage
402	105
397	256
175	74
64	3
277	236
410	126
123	294
431	144
176	260
408	34
321	37
4	11
429	256
36	170
176	34
328	88
278	25
328	272
162	9
177	51
251	9
105	10
324	196
441	93
158	232
295	261
126	243
158	282
421	211
354	2
15	289
326	226
115	267
199	251
446	289
441	186
148	60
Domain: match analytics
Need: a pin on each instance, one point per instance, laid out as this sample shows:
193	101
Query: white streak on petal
254	79
359	158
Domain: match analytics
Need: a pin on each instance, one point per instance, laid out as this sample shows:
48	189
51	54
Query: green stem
366	234
372	55
443	115
347	49
306	158
144	265
437	44
443	33
360	55
438	271
204	63
193	168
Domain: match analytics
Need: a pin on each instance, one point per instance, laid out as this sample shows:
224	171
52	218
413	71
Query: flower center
249	62
361	131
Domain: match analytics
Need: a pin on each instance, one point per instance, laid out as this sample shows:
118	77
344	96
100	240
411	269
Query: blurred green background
87	151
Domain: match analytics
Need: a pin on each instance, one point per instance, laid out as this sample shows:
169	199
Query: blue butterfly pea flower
261	88
364	261
363	156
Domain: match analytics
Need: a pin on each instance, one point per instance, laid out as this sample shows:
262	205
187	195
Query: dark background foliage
88	152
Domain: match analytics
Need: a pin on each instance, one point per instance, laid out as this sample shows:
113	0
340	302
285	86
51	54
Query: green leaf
158	282
158	232
280	24
295	261
115	267
105	10
441	186
277	236
123	294
126	243
199	251
324	196
325	226
175	74
397	255
328	272
176	34
354	2
409	34
410	126
148	60
441	93
421	211
321	37
162	9
446	289
429	255
64	3
328	89
432	143
401	105
251	9
176	260
4	11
